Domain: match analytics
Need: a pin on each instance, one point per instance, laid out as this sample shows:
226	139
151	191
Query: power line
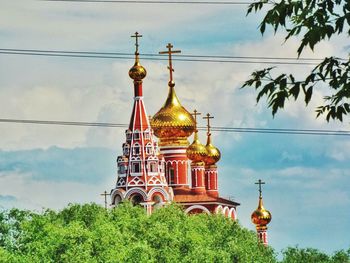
215	128
156	2
156	59
157	55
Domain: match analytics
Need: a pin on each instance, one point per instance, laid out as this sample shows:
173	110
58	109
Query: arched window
122	169
171	175
158	201
117	200
126	149
128	134
136	135
136	149
148	148
147	134
136	167
136	199
152	167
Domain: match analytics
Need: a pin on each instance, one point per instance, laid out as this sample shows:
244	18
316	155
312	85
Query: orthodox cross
208	117
105	195
170	67
259	182
136	36
195	114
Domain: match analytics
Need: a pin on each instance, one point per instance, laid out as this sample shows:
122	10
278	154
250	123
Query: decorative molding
136	190
189	209
159	190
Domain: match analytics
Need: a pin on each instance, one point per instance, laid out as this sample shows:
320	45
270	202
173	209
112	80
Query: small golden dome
213	153
137	72
261	217
196	152
172	124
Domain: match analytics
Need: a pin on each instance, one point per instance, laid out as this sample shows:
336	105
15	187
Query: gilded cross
195	114
136	36
170	51
105	195
208	117
259	182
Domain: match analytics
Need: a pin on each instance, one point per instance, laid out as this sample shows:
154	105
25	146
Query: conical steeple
141	167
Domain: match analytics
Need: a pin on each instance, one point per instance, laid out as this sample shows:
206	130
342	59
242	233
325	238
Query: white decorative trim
121	182
219	209
136	181
233	212
117	192
183	151
176	161
226	209
197	207
158	190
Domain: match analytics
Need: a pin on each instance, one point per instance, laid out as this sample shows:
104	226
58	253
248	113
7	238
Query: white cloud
38	195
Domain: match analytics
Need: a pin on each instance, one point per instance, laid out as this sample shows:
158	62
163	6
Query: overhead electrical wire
158	55
157	2
183	58
214	128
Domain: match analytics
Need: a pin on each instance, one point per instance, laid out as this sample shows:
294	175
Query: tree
311	255
316	20
89	233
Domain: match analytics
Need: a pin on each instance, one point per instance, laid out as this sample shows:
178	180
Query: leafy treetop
315	20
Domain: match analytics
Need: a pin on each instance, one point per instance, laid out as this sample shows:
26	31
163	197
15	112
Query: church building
158	164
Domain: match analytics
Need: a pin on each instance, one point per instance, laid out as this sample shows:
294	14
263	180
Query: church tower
141	167
261	217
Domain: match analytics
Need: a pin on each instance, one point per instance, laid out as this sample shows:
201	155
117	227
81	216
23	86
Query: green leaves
89	233
317	20
295	254
332	72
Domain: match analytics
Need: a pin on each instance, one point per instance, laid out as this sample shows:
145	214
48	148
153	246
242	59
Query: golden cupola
213	153
196	152
172	124
261	217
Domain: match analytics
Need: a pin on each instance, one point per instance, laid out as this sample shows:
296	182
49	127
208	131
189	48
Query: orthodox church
158	164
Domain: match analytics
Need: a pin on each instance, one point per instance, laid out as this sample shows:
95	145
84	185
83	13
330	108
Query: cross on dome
208	117
136	36
170	67
259	182
195	114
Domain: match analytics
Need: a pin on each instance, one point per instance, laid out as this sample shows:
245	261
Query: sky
41	166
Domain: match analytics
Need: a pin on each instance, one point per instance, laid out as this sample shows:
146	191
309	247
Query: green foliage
310	255
89	233
317	20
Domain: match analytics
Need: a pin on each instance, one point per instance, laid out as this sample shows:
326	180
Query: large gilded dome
173	124
261	217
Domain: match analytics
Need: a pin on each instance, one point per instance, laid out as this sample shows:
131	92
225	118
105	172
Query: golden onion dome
196	152
172	124
261	217
213	153
137	72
